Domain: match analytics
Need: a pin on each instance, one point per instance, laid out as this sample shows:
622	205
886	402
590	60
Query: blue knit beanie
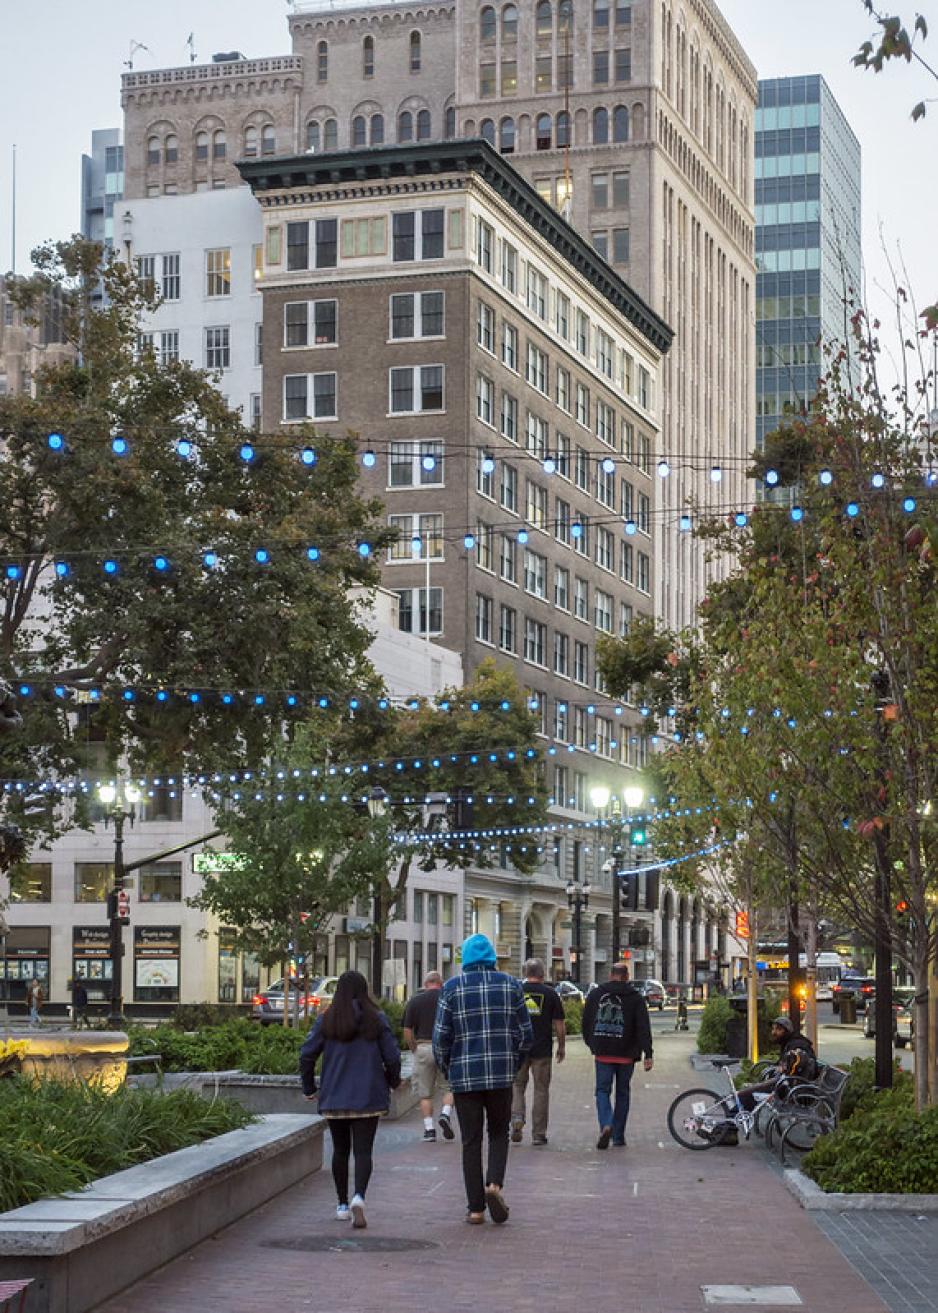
478	950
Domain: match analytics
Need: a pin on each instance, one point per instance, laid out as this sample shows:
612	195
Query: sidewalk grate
747	1296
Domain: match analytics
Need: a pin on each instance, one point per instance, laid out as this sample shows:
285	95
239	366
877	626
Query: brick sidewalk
641	1229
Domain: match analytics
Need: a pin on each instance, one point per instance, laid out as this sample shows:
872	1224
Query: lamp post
633	796
377	807
578	897
120	798
610	815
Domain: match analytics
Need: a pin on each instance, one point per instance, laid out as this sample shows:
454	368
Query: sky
60	66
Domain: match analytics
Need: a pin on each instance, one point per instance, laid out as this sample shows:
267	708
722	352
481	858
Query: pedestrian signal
742	925
637	837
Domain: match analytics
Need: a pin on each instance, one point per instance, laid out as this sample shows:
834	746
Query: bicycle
702	1119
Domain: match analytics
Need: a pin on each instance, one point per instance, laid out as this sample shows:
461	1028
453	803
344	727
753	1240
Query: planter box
810	1195
80	1249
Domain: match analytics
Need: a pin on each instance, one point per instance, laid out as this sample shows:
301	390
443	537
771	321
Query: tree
159	555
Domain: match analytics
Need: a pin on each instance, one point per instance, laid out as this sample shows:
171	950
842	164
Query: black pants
348	1133
474	1110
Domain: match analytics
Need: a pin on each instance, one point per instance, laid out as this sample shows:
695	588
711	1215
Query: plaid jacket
482	1027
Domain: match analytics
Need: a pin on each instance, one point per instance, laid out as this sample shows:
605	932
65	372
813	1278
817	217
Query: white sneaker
358	1213
342	1213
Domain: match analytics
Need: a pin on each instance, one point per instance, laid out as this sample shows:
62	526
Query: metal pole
577	934
427	587
116	1016
377	948
616	912
13	218
882	942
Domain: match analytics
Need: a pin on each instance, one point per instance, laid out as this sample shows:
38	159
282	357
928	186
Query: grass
58	1137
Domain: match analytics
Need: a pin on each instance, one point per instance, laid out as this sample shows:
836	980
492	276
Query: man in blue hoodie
482	1028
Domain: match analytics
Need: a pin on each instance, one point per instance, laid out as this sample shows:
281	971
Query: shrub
573	1015
883	1146
59	1136
717	1013
394	1012
241	1044
194	1016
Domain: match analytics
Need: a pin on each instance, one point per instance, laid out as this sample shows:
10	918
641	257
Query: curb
815	1200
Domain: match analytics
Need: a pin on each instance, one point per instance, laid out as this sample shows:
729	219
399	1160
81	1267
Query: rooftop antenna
13	217
134	47
190	42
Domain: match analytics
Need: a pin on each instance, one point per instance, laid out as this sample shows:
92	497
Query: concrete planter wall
80	1249
811	1197
97	1055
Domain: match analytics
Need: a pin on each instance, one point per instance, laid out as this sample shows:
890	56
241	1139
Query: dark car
902	996
859	988
653	992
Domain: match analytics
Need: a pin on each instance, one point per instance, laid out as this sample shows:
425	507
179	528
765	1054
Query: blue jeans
619	1074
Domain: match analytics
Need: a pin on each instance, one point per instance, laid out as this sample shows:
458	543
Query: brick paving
897	1253
640	1229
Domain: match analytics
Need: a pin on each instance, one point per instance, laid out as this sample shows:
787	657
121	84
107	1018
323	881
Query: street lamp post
610	815
120	799
377	807
633	797
578	897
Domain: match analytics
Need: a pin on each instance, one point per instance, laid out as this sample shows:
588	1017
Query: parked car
567	989
653	992
859	988
905	1026
902	996
267	1006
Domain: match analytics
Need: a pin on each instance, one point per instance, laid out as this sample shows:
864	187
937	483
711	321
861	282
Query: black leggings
348	1133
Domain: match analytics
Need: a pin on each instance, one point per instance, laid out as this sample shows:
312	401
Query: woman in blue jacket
361	1061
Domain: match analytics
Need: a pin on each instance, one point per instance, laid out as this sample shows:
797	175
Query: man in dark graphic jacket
617	1031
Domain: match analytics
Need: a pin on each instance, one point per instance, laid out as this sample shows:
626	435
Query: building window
620	189
415	52
605	549
605	349
412	611
201	147
268	140
605	481
543	75
537	292
600	241
507	629
562	521
603	611
420	537
219	145
561	588
535	573
600	126
218	347
485	475
161	882
364	237
169	346
644	513
581	663
250	142
368	57
510	23
583	333
599	196
414	390
623	13
319	234
620	123
416	464
31	883
309	396
562	455
600	14
330	134
322	61
626	563
625	619
509	270
487	131
483	618
508	489
623	65
313	135
561	654
377	132
535	642
484	538
542	137
487	24
169	283
564	71
536	369
506	133
218	272
171	147
509	346
485	399
544	19
485	245
536	505
508	560
255	411
416	314
509	417
643	582
423	125
450	122
359	130
154	153
486	81
536	438
93	881
581	597
620	245
418	235
600	67
582	405
310	323
485	327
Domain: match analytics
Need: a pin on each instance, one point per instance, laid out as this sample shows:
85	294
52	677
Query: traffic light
637	836
903	914
628	892
742	925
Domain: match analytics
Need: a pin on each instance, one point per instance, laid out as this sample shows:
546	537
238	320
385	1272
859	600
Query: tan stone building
26	347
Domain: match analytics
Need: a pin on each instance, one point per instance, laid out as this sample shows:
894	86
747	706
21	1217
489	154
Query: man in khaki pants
546	1012
419	1017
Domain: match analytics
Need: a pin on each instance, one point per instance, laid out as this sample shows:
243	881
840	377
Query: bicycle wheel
802	1132
697	1119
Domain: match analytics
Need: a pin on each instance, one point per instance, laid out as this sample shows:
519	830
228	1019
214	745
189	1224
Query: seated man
796	1063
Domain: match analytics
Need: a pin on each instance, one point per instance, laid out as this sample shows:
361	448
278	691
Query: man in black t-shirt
546	1012
419	1016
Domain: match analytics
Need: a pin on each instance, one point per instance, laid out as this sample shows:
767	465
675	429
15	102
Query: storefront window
93	880
91	960
227	967
156	964
31	883
26	957
161	883
250	977
449	908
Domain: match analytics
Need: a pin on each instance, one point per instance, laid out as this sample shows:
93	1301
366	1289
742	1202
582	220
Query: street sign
123	906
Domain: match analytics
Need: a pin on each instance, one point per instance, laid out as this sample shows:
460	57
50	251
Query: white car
905	1026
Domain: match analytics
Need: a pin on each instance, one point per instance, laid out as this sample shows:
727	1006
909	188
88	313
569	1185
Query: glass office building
809	272
102	188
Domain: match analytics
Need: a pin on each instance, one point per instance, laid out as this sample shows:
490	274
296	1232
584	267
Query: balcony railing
234	68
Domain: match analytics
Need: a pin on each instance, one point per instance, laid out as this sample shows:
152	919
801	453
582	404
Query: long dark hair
352	1013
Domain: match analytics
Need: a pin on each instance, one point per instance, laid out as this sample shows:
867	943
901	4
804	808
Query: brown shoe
517	1132
605	1135
498	1209
475	1219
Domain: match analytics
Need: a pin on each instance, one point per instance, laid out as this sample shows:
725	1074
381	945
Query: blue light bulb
609	465
488	465
209	560
825	478
550	465
13	572
308	456
428	463
110	567
120	446
312	553
469	542
852	509
630	527
369	460
685	523
246	453
61	569
364	549
797	514
160	563
184	448
522	536
908	505
262	556
56	441
741	520
771	477
878	480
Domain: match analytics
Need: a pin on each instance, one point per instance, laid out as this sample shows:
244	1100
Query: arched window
450	129
415	52
510	23
423	125
487	24
544	18
201	146
620	123
405	126
562	129
268	140
600	126
542	138
377	129
359	131
313	135
487	131
506	136
153	150
565	16
330	134
250	142
171	146
219	145
322	61
368	57
600	13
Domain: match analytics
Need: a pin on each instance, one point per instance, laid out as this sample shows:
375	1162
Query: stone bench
79	1249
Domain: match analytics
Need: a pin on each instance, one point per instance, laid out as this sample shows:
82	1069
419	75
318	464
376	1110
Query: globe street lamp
119	798
578	897
377	808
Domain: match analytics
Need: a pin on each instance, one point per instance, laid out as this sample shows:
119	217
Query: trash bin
848	1011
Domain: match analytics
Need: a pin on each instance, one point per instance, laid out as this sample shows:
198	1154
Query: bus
772	968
